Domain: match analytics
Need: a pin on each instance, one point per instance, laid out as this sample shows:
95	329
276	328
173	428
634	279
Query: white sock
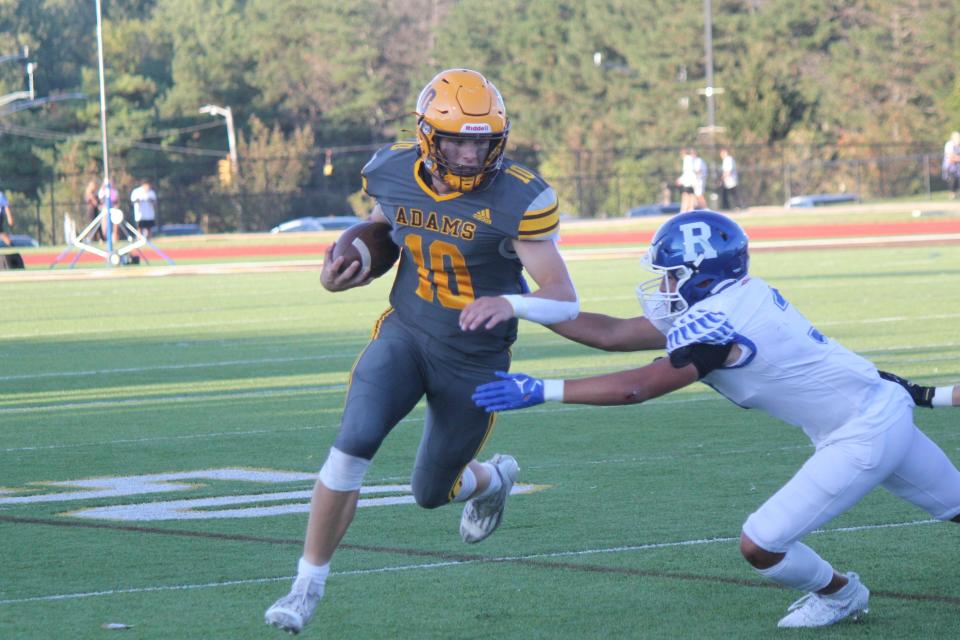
495	482
801	568
843	592
468	484
316	572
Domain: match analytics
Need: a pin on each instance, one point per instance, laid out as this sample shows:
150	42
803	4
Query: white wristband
942	397
542	310
553	390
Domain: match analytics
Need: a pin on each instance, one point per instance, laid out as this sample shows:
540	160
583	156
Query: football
370	244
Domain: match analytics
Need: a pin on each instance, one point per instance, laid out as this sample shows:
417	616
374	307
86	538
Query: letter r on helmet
696	241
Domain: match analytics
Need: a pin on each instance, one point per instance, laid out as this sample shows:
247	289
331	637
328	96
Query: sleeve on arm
702	338
705	357
541	220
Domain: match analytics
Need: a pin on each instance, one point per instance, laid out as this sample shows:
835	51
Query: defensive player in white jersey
740	336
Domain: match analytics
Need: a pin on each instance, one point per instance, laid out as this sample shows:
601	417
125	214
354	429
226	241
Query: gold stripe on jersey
402	146
539	223
520	174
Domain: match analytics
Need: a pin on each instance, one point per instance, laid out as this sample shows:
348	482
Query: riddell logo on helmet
481	127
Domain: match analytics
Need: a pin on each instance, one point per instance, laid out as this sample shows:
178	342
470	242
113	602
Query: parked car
654	210
316	223
821	200
179	229
20	240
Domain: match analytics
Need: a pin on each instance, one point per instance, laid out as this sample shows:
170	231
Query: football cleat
482	516
813	610
292	612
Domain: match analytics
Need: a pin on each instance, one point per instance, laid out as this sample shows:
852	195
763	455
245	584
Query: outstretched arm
554	300
685	366
630	387
518	390
929	397
611	334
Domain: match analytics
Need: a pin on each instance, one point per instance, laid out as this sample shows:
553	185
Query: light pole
227	114
709	91
20	95
711	130
113	258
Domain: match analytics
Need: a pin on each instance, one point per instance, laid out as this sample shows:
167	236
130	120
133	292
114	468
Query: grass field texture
629	529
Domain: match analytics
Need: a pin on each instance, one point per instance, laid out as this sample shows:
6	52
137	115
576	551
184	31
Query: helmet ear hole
704	284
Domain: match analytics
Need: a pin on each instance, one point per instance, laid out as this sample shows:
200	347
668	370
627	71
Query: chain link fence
598	184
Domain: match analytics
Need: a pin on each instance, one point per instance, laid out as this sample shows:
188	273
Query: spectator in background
6	215
92	202
686	180
666	195
950	169
144	201
700	173
109	198
729	196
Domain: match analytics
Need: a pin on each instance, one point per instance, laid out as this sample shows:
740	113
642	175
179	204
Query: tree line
593	88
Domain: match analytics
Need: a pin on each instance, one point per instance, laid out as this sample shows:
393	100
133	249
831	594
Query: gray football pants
396	369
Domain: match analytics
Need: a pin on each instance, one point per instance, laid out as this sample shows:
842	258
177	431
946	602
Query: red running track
316	250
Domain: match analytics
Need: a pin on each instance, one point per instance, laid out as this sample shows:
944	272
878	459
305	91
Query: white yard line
256	394
437	565
175	367
160	399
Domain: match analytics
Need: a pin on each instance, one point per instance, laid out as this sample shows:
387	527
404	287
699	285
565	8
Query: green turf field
629	530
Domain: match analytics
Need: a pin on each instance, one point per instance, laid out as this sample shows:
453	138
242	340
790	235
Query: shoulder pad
699	325
398	151
540	218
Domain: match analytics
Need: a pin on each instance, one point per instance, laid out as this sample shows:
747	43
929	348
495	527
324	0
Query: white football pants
902	459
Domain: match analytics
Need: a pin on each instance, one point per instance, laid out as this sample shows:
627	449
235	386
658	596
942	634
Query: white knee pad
801	568
343	472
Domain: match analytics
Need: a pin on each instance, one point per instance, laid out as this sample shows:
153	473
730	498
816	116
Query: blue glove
514	391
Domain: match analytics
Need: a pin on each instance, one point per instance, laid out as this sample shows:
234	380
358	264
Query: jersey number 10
447	266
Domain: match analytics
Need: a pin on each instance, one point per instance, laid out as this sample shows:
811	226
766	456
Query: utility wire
137	143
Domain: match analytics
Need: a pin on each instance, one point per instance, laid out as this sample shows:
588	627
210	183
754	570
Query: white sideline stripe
174	367
193	436
160	399
439	565
140	401
940	316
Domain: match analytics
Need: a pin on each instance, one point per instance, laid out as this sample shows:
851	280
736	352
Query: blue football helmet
695	255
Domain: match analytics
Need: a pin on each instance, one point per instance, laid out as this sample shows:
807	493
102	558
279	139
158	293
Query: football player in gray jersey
469	222
737	334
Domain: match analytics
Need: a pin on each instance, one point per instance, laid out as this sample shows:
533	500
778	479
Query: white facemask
657	312
659	306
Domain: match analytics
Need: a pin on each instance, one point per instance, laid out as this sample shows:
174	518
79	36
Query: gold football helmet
462	105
